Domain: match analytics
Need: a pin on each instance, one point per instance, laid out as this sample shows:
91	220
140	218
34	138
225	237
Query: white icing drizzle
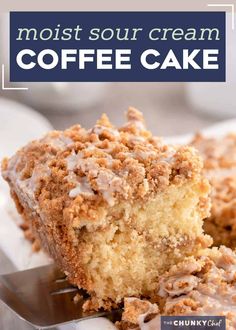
99	129
144	154
137	123
229	268
73	159
82	188
177	285
109	183
60	141
135	138
82	185
40	171
169	157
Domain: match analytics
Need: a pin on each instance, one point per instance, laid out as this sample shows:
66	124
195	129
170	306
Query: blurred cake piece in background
219	156
203	285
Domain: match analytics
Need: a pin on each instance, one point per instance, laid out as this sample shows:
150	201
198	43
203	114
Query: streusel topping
104	161
206	286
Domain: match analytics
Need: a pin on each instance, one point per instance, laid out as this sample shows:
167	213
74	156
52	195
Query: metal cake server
43	298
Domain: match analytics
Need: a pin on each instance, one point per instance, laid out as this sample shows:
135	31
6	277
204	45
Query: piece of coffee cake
114	207
220	167
204	286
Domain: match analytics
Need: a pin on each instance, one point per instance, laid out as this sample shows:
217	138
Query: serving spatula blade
43	297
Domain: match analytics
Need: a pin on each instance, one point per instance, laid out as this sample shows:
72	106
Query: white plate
18	125
11	237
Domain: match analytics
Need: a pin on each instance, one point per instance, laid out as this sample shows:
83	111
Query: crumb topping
103	163
138	311
208	282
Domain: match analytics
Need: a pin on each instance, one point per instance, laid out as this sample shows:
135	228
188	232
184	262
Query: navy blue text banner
117	46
